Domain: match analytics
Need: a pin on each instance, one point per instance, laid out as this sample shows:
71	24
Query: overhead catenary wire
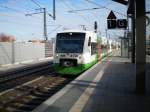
53	16
19	23
12	16
87	9
15	10
17	17
85	19
55	29
12	9
95	16
54	25
13	20
101	6
92	12
36	3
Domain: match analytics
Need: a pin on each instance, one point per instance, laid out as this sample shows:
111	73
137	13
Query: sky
14	22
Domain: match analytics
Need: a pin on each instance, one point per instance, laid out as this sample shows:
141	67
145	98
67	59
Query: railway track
24	89
28	96
13	78
13	74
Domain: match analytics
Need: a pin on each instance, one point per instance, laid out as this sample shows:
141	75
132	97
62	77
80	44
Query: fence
18	52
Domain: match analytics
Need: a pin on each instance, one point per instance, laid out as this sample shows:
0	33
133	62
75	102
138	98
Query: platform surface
107	87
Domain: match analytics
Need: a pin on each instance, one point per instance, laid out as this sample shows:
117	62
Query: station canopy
129	3
124	2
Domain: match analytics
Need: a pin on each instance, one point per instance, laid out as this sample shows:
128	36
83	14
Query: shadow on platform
116	90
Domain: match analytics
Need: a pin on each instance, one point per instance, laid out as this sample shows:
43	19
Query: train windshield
70	42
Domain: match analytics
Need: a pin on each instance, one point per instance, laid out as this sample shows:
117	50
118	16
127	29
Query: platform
106	87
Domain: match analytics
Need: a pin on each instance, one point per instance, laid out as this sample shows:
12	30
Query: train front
68	52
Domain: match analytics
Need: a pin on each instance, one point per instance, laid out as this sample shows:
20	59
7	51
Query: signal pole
44	21
45	25
54	10
43	10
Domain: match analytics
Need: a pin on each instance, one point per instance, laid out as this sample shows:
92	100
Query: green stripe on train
76	69
73	70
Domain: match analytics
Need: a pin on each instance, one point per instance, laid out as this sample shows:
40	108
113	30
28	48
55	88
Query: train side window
93	48
89	42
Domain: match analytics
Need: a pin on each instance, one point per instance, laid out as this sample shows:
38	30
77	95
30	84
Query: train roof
76	31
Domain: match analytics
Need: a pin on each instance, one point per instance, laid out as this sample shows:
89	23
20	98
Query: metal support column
140	46
54	10
45	25
133	37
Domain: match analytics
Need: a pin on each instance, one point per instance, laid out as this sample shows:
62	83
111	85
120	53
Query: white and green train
76	50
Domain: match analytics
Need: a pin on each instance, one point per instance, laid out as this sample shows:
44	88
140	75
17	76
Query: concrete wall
18	52
48	49
5	53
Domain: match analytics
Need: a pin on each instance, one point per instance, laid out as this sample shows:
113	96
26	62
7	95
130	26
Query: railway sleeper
27	107
39	99
41	95
37	93
14	99
19	110
33	103
27	88
24	103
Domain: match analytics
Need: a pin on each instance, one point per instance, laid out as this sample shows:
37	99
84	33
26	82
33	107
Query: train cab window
70	42
89	42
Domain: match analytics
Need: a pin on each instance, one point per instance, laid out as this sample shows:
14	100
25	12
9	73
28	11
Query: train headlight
80	56
56	55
